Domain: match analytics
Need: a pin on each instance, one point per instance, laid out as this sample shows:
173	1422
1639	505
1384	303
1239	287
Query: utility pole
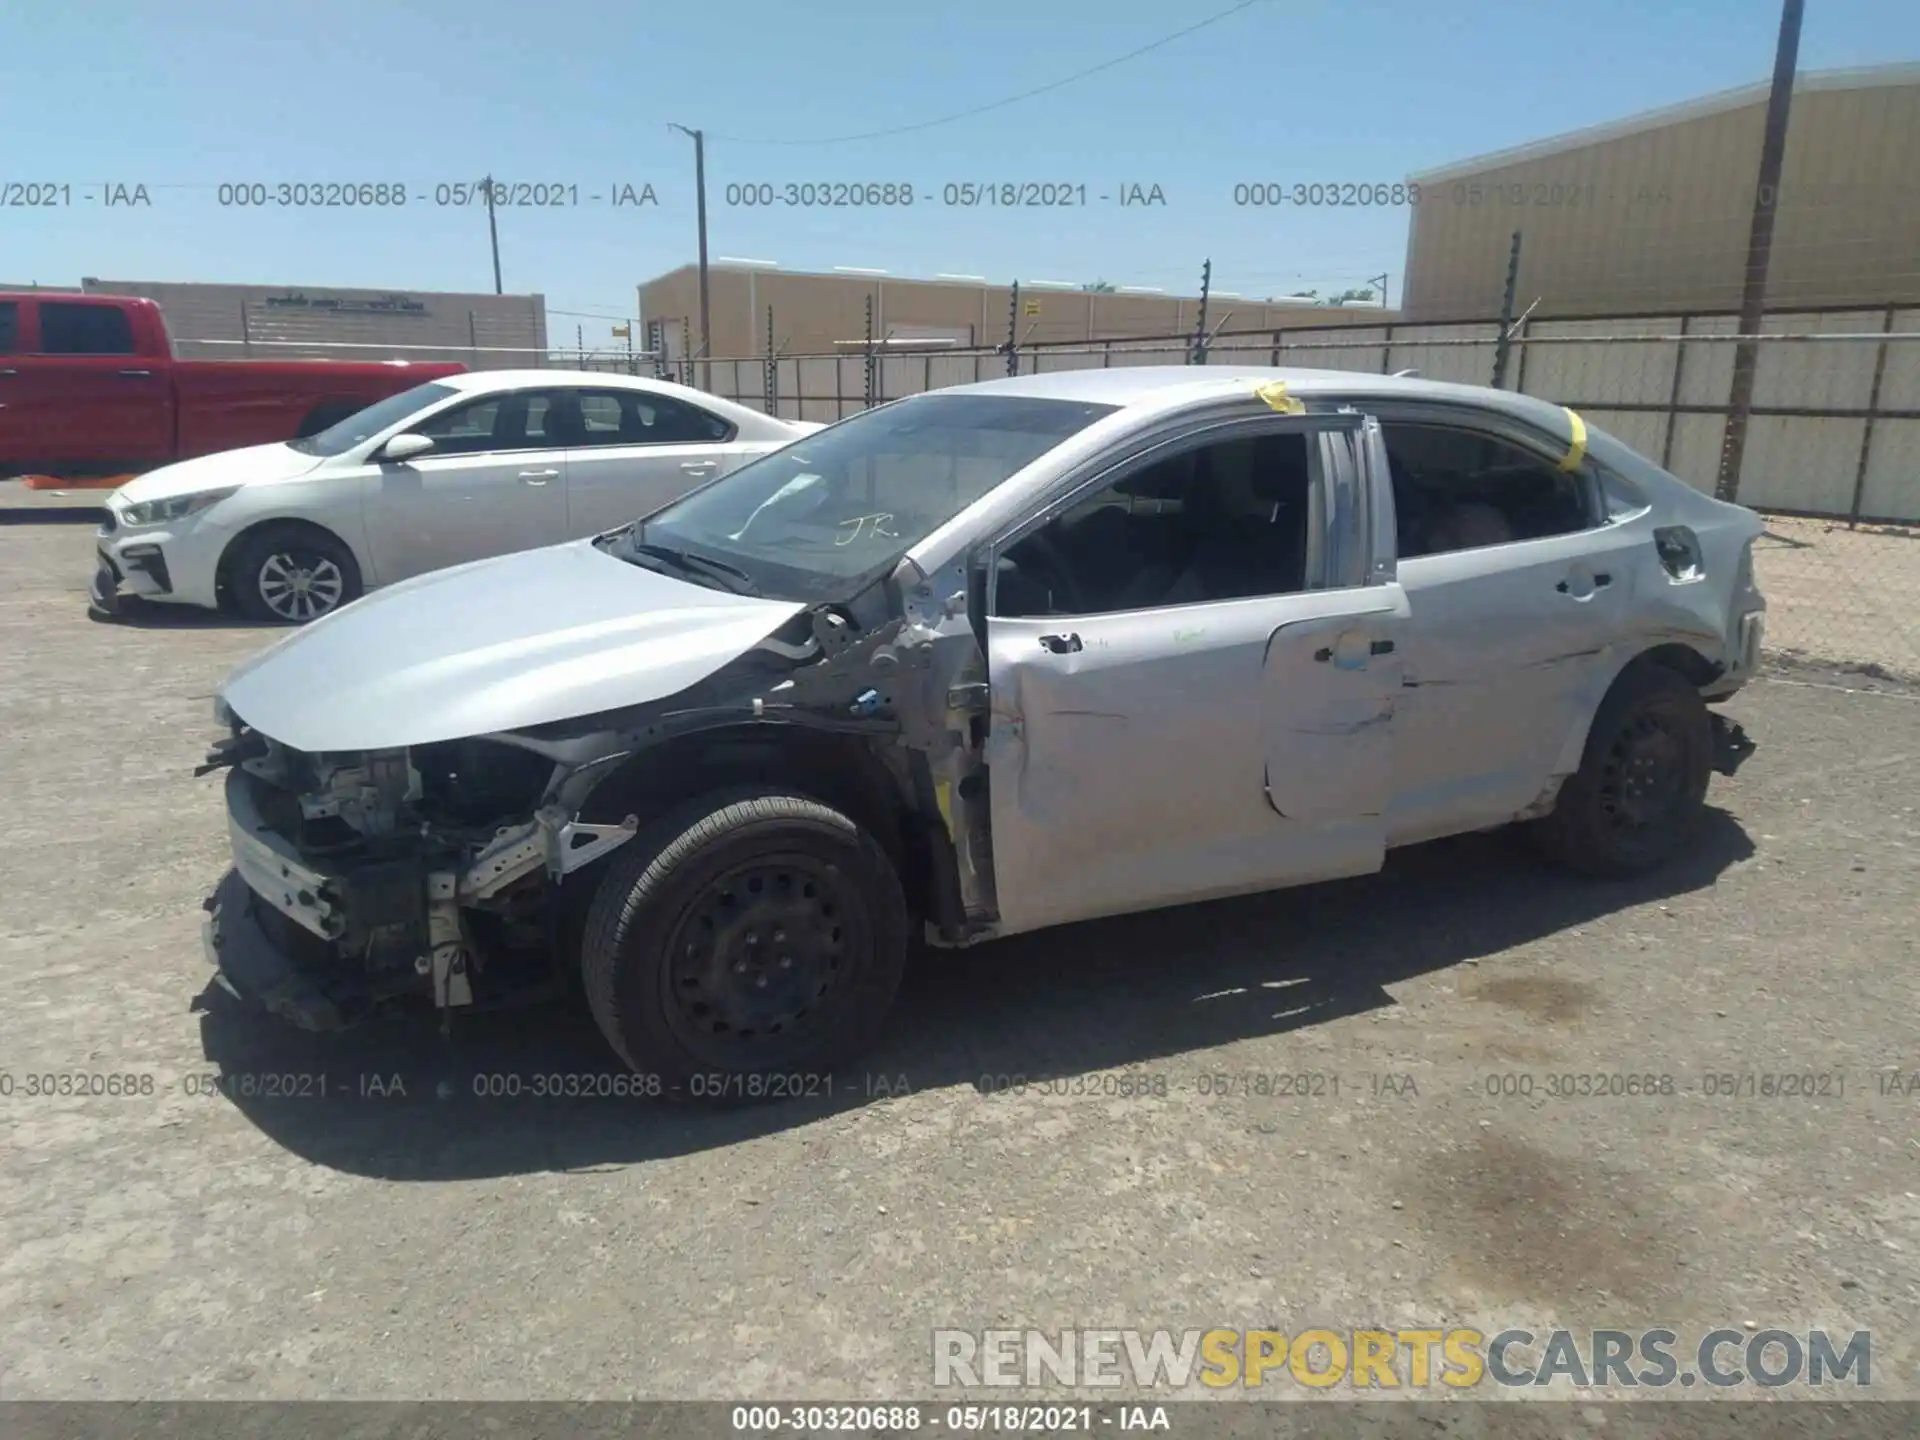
493	234
1503	346
1753	295
700	193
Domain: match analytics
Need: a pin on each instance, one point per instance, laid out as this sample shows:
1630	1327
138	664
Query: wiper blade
735	578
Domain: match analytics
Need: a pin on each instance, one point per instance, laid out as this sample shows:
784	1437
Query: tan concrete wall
814	313
1658	220
300	322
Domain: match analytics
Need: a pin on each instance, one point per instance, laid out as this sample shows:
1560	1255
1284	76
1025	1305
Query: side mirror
405	447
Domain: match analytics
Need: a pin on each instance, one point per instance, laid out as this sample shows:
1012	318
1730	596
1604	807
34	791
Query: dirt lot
438	1244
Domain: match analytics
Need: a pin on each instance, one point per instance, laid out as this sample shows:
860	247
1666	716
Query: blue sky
184	96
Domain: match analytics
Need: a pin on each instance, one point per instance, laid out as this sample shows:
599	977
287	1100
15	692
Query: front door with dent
495	482
1192	691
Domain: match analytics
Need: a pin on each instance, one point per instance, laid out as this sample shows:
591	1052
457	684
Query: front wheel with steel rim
292	575
745	946
1641	788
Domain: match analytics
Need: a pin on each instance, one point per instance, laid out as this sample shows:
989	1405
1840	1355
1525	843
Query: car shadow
137	614
397	1100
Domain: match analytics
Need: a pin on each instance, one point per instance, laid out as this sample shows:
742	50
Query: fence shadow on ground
1082	999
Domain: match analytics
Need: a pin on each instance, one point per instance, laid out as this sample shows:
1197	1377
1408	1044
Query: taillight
1679	550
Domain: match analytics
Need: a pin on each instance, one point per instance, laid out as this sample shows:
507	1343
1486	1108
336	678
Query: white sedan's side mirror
405	447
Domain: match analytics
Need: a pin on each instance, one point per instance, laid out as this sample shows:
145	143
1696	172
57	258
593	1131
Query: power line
1011	99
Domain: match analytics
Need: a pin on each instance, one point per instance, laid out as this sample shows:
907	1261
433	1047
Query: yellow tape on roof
1577	448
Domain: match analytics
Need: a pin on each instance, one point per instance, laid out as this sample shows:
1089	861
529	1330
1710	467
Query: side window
636	417
1225	521
70	329
466	429
9	326
1459	489
521	420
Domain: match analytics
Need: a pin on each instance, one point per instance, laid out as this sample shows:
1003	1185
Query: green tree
1098	287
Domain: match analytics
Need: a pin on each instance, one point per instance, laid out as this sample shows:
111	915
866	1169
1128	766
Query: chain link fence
1831	457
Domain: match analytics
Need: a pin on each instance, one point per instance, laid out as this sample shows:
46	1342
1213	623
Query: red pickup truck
89	387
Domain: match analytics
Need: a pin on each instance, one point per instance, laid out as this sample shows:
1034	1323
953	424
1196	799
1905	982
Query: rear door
635	451
495	482
1518	592
92	403
1194	671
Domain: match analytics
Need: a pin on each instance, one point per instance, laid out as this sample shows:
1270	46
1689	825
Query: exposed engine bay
447	870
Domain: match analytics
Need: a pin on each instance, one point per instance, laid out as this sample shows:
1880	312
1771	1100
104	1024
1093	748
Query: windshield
363	425
834	510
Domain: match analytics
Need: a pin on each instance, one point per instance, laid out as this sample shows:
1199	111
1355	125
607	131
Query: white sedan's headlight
175	507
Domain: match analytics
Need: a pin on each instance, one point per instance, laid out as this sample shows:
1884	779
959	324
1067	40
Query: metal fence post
1013	331
773	378
1866	433
473	338
869	349
1502	346
1673	396
1197	354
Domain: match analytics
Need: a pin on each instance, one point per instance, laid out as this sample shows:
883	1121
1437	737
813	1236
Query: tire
1641	789
730	1021
265	578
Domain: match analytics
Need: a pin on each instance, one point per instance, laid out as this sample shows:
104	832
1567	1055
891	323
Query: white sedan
448	472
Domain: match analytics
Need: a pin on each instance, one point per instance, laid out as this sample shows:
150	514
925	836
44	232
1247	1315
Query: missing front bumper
250	966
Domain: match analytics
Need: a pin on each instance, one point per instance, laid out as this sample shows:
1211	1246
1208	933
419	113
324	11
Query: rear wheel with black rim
289	575
745	946
1641	788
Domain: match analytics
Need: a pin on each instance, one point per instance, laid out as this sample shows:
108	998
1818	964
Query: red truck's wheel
292	574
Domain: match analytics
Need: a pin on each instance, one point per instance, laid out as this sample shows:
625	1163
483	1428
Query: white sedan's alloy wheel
300	585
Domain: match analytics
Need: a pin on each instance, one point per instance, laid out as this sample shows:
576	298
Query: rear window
9	326
69	329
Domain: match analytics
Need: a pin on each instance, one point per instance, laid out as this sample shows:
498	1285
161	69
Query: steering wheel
1058	568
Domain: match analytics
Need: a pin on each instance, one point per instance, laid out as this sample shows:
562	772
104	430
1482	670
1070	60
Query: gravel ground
440	1245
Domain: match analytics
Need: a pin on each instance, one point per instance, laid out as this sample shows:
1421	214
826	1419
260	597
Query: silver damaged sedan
988	659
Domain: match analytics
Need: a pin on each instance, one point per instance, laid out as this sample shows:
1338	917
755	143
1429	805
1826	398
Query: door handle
698	467
136	374
539	477
1062	644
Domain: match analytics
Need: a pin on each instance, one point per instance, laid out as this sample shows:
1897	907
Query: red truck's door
14	421
92	403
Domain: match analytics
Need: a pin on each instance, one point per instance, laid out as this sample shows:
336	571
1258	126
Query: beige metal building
824	313
231	322
1651	213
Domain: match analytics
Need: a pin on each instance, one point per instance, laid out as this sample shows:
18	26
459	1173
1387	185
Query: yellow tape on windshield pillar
1577	448
1274	392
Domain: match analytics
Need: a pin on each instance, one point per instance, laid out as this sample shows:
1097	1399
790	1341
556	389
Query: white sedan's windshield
848	502
365	424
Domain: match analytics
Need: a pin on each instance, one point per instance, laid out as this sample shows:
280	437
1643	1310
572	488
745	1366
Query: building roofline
1033	287
1862	78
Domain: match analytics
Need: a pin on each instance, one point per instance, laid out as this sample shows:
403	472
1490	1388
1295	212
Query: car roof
530	379
1161	387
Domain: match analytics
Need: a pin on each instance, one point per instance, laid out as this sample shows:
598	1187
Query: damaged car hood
500	644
